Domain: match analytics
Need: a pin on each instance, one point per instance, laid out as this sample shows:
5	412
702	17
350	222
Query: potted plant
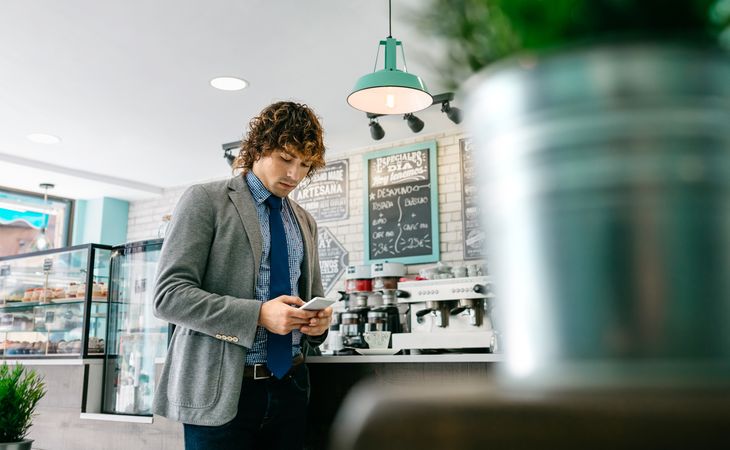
603	145
480	32
20	391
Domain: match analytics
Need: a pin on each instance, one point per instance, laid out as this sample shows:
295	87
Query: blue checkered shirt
257	353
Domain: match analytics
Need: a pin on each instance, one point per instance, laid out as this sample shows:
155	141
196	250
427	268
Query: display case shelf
55	301
53	304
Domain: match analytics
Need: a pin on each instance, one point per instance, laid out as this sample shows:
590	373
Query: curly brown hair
283	125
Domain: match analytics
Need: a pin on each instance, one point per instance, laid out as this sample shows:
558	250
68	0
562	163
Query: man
238	259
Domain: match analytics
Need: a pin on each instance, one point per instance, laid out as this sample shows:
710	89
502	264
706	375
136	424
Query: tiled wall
145	216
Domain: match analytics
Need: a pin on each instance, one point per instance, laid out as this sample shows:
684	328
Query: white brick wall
145	216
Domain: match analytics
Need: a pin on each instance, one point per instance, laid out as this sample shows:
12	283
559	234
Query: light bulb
390	101
229	83
40	242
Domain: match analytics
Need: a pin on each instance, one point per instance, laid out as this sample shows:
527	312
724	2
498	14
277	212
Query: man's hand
319	324
280	315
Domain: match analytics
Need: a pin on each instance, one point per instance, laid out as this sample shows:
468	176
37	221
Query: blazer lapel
243	202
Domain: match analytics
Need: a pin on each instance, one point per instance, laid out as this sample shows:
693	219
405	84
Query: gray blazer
205	285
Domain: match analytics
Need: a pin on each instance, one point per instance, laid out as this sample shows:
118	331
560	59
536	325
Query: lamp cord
390	19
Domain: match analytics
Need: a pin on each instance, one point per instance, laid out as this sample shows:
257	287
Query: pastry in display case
53	303
136	339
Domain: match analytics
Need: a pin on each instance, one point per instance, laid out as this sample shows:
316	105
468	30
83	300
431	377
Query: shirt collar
257	188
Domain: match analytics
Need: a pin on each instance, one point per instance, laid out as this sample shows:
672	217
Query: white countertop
336	359
440	358
53	361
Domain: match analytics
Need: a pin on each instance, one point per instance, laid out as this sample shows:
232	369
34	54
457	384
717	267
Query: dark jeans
271	415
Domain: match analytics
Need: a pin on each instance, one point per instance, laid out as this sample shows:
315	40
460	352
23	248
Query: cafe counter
332	377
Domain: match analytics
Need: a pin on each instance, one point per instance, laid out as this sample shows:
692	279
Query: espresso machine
448	314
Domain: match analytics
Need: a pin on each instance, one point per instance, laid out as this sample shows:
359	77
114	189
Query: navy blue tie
278	347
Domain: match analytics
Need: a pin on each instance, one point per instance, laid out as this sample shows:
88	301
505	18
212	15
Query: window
26	220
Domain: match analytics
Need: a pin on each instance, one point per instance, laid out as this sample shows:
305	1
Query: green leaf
479	32
20	391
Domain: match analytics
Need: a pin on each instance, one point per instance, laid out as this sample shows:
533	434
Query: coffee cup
377	339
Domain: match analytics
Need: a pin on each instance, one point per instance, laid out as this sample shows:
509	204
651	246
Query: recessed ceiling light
229	83
43	138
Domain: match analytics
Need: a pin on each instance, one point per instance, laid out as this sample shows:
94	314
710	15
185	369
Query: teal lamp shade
390	91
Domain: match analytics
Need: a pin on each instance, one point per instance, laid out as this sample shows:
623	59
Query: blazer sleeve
179	298
316	282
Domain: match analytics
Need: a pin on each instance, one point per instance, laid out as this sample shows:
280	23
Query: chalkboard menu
401	212
332	258
325	194
470	209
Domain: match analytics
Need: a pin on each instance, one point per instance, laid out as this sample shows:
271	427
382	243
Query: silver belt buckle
256	371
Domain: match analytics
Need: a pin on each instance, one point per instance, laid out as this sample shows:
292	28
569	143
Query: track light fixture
454	114
414	123
230	151
376	130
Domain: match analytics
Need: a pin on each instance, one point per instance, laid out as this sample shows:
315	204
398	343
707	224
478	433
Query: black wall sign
325	196
470	206
401	216
333	258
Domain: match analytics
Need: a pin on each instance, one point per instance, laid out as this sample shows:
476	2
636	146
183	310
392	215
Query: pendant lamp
390	91
41	241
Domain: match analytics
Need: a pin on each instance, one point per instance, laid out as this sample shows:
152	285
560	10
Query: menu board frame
434	254
470	206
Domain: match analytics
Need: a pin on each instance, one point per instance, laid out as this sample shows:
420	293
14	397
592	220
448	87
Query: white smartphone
317	303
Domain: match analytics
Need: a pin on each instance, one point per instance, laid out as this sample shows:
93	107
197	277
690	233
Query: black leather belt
261	372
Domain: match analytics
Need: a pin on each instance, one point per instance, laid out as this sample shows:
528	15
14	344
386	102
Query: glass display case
53	304
136	339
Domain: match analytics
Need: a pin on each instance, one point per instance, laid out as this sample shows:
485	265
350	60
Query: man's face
281	171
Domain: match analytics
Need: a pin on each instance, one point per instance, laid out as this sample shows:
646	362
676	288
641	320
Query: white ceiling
125	84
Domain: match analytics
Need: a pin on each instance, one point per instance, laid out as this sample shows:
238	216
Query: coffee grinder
334	341
358	288
389	317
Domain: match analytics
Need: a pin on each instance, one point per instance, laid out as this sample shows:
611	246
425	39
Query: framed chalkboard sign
470	208
401	198
325	194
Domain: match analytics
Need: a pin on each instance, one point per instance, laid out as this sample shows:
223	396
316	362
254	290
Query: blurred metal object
606	199
473	414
